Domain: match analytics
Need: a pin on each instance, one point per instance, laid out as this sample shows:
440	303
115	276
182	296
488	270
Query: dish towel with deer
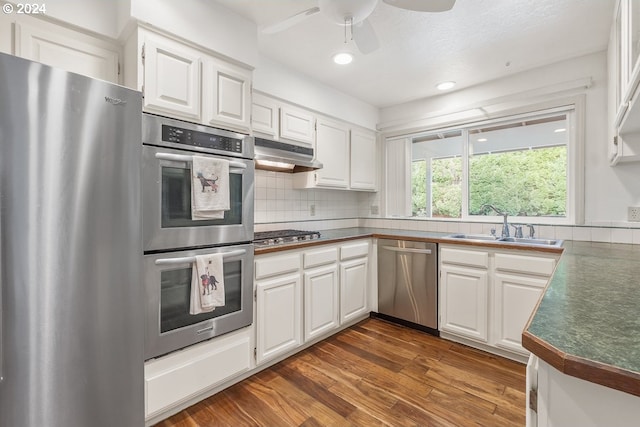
210	188
207	283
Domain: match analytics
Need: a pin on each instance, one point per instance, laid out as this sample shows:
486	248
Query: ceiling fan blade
290	21
422	5
365	37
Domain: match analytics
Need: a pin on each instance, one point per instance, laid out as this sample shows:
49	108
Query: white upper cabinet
363	155
227	95
265	115
184	81
172	83
332	149
624	78
297	124
67	49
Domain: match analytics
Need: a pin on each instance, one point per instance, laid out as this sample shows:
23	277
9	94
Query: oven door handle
235	167
192	259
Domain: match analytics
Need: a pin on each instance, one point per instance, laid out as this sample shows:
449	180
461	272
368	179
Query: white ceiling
476	41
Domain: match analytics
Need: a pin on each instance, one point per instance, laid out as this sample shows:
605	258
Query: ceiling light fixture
560	130
342	58
445	85
482	139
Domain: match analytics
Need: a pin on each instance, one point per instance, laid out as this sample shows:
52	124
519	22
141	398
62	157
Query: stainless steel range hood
283	157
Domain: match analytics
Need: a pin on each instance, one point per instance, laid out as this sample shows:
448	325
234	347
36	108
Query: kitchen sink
483	237
516	240
546	242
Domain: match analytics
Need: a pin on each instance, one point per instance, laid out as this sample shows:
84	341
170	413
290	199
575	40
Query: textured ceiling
476	41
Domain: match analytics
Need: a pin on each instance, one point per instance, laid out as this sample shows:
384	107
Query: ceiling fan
353	14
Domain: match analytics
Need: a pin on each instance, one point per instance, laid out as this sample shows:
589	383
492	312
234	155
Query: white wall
273	78
608	190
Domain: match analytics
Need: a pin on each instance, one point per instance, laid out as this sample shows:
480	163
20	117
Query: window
520	165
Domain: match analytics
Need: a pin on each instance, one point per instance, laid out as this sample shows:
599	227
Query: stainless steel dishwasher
408	283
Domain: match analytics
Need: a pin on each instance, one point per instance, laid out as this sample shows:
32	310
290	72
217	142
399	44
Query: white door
464	301
363	160
515	297
66	49
278	316
296	124
332	149
353	289
264	115
320	301
172	84
227	95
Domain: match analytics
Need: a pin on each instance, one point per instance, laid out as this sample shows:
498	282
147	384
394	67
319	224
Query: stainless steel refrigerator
71	332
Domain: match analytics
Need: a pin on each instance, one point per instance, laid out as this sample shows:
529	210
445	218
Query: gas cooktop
279	237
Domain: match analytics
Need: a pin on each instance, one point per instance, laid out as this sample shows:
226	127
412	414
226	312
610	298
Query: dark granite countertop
587	324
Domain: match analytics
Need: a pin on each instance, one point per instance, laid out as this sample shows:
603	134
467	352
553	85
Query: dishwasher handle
408	250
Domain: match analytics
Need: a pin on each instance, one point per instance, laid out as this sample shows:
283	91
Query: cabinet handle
409	250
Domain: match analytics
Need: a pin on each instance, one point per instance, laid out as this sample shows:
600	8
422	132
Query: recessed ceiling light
445	85
482	139
560	130
342	58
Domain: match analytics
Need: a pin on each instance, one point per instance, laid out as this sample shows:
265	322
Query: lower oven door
166	208
167	276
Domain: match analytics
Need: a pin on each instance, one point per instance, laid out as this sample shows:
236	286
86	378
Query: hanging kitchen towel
210	188
207	284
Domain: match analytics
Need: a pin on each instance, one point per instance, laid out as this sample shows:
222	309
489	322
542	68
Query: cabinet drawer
272	266
354	250
525	264
465	257
175	378
320	257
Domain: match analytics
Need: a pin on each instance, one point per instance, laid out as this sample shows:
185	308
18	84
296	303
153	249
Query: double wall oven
172	239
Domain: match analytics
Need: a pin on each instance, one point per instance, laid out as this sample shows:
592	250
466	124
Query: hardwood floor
373	374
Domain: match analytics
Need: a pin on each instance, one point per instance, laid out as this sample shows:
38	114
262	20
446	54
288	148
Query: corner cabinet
184	81
363	160
488	295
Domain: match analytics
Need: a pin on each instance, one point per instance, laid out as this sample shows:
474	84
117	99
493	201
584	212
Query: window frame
573	108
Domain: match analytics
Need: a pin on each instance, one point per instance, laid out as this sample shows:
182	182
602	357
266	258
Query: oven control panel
201	139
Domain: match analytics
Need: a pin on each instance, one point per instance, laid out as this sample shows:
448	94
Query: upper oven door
166	196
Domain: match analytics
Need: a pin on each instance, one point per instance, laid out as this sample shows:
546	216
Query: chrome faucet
505	224
517	231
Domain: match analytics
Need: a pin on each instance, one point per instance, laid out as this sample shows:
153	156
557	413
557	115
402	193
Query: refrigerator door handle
409	250
1	329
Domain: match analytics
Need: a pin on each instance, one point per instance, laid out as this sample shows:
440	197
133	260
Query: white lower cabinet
563	400
354	280
321	292
464	301
488	295
174	379
278	305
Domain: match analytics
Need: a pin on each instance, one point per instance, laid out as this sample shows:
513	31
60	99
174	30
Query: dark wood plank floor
373	374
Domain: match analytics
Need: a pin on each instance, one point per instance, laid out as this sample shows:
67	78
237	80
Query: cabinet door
227	95
172	83
363	160
296	124
515	297
353	289
66	49
320	301
264	115
332	149
464	301
278	316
